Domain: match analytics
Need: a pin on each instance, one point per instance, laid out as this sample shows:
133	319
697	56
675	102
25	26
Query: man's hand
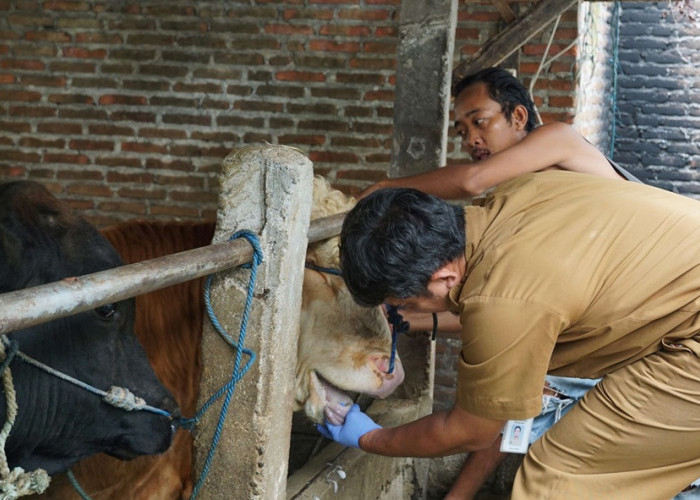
356	425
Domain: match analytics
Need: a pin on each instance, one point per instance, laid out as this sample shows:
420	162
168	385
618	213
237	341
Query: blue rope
76	485
327	270
398	325
237	374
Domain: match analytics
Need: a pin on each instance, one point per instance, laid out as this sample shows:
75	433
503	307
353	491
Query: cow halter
398	325
119	397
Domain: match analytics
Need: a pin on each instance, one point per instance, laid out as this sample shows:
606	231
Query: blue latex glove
356	425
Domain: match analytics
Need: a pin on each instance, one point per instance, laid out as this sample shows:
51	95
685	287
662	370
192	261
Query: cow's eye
107	311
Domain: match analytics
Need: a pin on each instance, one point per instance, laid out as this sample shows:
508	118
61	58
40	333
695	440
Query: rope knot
19	483
123	398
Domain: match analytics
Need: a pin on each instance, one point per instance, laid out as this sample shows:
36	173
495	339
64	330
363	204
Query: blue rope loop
398	325
238	372
320	269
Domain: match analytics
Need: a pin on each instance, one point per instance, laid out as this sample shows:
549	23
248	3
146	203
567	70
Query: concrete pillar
423	78
267	190
421	119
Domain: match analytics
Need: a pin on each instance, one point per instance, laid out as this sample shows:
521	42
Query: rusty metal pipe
32	306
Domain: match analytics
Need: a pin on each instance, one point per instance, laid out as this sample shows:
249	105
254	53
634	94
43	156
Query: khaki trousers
636	435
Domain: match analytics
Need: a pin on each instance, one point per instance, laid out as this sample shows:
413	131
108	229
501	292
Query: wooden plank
504	9
500	46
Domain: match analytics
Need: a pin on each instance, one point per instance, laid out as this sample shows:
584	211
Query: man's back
603	268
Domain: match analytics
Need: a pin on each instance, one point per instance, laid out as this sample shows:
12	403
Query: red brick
300	76
42	143
44	81
162	133
288	29
118	161
380	48
321	15
193	196
133	116
182	165
180	180
333	157
60	128
7	171
66	158
379	95
19	95
107	129
133	177
383	31
129	100
22	64
142	147
82	53
315	140
90	190
150	194
561	101
70	99
15	127
364	14
328	45
106	38
66	6
7	78
47	36
342	30
28	20
90	145
86	175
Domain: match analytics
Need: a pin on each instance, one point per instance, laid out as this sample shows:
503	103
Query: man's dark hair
503	88
394	240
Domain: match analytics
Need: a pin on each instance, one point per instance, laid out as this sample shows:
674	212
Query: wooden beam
500	46
505	10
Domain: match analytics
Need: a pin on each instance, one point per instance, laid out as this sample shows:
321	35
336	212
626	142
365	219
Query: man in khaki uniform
555	272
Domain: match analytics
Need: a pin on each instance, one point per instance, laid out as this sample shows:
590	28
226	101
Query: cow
342	348
43	240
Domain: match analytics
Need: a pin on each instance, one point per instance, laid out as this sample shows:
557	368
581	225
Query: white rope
15	483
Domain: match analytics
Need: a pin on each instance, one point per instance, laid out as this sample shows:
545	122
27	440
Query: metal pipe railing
32	306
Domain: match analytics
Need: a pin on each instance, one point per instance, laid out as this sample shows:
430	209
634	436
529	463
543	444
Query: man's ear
519	117
448	274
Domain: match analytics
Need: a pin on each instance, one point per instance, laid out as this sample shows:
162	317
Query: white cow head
342	346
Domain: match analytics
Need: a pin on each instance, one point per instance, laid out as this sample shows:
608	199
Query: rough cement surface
267	190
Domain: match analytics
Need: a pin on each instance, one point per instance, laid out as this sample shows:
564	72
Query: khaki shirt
573	275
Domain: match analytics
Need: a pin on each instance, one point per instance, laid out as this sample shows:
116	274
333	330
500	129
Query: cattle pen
266	190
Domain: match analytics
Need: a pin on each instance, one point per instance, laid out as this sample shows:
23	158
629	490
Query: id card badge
516	436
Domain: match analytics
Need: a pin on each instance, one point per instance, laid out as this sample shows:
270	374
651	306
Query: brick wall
658	120
127	109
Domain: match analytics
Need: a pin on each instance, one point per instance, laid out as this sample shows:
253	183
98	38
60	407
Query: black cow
43	240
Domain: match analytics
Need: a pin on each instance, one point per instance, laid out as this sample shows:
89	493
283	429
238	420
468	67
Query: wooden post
267	190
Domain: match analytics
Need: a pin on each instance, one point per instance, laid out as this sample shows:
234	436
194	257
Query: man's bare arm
555	145
438	434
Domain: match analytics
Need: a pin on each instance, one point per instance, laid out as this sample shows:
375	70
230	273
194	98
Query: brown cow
341	345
